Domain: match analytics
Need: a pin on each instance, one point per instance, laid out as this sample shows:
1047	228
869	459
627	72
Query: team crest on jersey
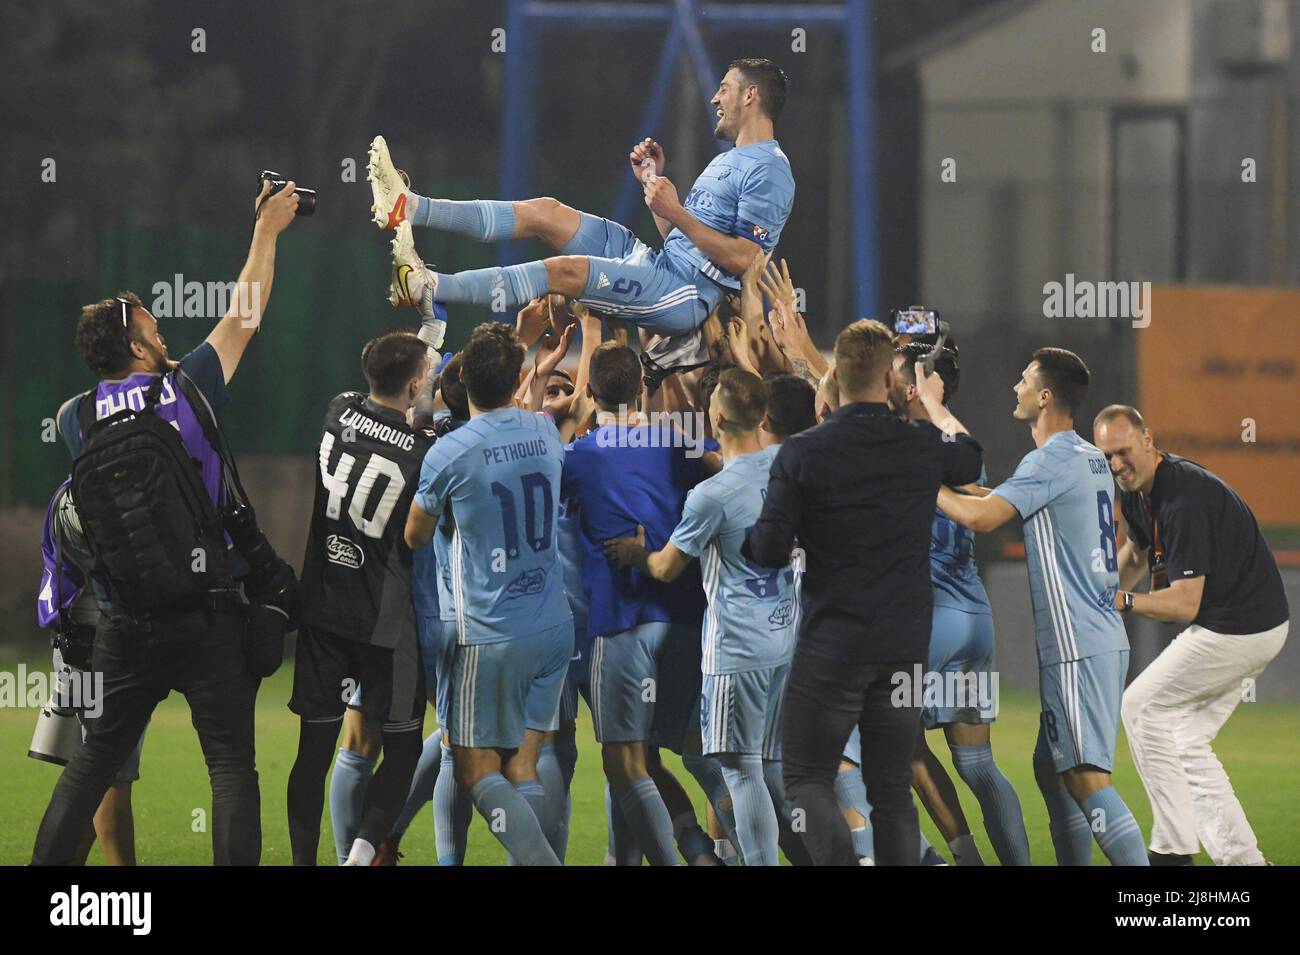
782	616
760	233
339	550
527	583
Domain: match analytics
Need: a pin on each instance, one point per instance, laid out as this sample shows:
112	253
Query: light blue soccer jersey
500	476
750	621
1065	493
746	191
568	529
953	572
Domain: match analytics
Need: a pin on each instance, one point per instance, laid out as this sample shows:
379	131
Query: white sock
363	853
964	851
723	849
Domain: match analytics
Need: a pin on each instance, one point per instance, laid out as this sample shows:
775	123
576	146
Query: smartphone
915	321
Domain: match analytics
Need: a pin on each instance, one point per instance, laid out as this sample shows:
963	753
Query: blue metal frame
682	19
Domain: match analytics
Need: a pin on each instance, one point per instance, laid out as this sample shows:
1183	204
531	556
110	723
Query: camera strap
232	487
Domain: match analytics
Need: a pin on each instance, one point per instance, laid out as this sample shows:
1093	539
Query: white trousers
1171	713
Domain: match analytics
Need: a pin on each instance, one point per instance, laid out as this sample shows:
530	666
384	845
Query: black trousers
824	699
201	654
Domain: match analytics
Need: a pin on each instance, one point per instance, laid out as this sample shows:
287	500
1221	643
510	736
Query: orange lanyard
1155	526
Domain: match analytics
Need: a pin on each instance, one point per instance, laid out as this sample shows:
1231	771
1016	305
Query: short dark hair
945	366
770	80
709	380
741	397
101	340
1064	374
392	360
1109	413
791	402
453	391
615	375
490	364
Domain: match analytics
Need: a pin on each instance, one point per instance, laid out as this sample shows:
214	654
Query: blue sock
647	818
1068	825
622	846
566	754
551	776
452	812
1003	819
708	773
495	288
851	793
486	220
422	783
348	785
1116	830
511	818
756	825
791	842
535	794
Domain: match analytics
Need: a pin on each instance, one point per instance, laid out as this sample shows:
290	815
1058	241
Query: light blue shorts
1080	718
629	280
962	643
741	712
500	689
645	684
577	682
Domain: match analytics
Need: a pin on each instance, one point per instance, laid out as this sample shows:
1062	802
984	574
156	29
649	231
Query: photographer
146	642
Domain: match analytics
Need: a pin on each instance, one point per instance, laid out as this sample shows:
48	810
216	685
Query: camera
306	197
270	579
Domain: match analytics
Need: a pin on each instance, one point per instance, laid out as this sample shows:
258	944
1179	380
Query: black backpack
156	537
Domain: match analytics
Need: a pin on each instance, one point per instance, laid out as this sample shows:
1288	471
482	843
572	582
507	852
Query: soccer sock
622	848
708	773
647	818
1116	830
348	787
496	288
964	850
566	754
486	220
756	825
789	840
1003	819
551	776
391	785
535	794
452	812
692	840
1068	825
851	793
433	328
511	819
422	783
306	796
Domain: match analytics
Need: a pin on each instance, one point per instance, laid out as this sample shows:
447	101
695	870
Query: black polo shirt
1196	526
859	492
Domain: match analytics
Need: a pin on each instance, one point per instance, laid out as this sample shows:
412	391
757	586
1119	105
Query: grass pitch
1257	748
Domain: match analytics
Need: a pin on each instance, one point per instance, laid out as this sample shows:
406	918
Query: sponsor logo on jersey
782	616
339	550
760	233
527	583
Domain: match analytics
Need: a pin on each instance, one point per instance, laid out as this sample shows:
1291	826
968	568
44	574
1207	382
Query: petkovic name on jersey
363	424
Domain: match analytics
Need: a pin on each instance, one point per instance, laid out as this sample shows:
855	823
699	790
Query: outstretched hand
624	550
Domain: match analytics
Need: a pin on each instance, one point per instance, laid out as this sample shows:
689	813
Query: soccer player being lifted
736	208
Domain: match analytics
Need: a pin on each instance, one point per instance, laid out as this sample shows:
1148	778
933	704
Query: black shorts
328	669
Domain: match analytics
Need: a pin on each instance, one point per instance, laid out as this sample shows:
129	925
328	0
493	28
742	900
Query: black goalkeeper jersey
356	575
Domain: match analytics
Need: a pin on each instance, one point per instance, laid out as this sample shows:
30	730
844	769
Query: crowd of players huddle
554	531
502	541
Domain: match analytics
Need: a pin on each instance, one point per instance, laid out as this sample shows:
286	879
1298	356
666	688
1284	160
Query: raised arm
253	287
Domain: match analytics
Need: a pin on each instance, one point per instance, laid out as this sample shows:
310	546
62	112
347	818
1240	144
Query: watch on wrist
1127	604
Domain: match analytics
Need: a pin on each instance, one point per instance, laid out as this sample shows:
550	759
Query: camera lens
306	201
